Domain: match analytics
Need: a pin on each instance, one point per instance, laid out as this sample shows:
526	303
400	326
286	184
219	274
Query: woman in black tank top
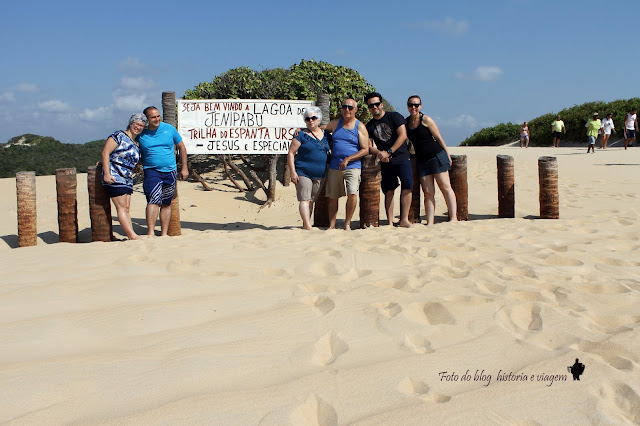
433	162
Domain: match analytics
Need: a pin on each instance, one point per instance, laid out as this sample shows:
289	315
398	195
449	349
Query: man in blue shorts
157	143
388	137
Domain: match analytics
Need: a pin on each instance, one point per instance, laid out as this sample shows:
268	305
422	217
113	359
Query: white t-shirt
607	126
629	122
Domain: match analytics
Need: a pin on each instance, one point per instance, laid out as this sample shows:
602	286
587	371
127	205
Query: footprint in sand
327	349
278	273
620	402
407	284
418	344
182	264
523	317
417	388
321	304
613	354
313	411
387	309
432	313
611	324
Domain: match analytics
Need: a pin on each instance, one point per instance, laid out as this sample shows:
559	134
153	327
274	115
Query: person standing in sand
388	136
119	157
557	128
630	127
307	160
593	127
157	144
350	144
524	135
434	161
607	127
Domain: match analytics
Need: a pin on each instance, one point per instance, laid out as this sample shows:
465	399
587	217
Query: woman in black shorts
434	160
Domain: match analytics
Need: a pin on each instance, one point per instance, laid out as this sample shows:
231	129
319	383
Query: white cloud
132	65
97	114
128	101
26	87
136	83
481	74
7	97
461	121
54	106
447	25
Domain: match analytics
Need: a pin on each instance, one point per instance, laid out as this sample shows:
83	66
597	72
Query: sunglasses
349	107
411	105
375	104
314	118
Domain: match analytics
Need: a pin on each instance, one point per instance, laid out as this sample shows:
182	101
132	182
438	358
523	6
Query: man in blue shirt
157	143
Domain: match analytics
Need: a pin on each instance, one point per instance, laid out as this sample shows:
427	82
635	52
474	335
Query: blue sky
77	70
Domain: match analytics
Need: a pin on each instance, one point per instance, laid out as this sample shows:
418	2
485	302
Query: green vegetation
540	127
44	154
301	81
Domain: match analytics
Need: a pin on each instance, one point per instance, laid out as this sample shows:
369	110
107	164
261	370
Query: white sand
247	319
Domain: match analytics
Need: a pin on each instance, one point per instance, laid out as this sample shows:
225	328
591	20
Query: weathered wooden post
27	213
66	188
414	211
99	206
169	116
370	192
321	209
459	184
506	187
548	179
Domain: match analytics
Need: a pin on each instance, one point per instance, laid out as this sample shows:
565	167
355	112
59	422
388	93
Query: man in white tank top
630	127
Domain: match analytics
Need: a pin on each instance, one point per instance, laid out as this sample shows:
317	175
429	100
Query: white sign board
239	126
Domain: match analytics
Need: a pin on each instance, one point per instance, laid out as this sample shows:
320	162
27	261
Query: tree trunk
174	223
240	173
414	210
506	187
66	188
27	212
370	192
225	164
458	178
548	180
99	206
169	108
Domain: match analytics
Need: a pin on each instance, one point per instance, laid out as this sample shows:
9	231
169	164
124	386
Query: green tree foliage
45	154
540	127
301	81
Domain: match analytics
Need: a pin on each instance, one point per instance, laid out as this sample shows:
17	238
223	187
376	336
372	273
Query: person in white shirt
607	127
630	127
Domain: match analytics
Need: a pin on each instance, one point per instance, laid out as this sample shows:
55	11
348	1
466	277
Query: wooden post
99	206
548	178
66	188
169	116
27	213
370	192
321	208
414	210
506	187
458	178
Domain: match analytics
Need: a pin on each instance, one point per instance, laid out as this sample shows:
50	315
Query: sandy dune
247	319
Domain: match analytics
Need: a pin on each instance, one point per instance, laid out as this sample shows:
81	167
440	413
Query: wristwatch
390	151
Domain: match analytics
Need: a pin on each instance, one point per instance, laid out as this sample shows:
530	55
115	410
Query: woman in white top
607	127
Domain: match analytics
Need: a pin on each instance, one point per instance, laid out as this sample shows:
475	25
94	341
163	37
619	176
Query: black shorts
391	173
557	135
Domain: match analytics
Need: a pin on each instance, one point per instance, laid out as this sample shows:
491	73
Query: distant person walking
593	127
558	128
630	127
607	128
119	157
524	135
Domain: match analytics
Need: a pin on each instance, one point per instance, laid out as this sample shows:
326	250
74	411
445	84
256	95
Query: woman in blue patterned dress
119	157
307	160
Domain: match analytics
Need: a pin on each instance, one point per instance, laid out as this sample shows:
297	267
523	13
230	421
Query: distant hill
540	127
44	154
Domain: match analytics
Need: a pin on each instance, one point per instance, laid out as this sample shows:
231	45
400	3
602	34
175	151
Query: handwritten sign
239	126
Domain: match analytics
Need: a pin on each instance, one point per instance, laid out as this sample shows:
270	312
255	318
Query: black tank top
424	143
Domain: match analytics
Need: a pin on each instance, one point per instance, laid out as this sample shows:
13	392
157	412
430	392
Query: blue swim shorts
159	187
391	173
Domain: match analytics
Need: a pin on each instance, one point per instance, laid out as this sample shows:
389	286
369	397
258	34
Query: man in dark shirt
388	139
